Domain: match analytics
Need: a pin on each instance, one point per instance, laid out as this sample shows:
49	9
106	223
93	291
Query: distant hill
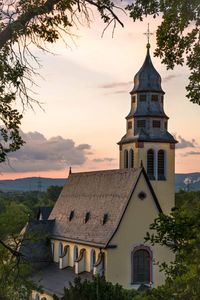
188	181
30	184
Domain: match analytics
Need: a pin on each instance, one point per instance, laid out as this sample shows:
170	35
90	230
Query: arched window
92	259
52	250
125	159
141	265
75	252
161	165
37	297
131	158
60	249
150	164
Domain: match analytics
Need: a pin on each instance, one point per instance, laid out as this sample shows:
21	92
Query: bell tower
147	139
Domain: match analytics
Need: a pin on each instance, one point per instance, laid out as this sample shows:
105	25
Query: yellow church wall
131	232
71	249
136	155
42	295
164	189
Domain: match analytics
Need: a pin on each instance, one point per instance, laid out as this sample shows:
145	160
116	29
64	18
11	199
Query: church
100	219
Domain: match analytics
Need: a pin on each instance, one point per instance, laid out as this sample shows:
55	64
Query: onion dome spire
147	78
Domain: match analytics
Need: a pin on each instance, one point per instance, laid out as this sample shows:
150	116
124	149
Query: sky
84	91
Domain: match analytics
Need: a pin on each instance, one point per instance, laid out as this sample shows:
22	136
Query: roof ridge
125	170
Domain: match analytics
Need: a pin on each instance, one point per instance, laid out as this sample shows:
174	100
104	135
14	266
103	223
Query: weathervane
148	34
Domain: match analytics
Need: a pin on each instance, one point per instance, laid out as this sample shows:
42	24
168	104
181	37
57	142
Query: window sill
161	178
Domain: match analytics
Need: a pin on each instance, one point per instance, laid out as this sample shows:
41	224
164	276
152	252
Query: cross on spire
148	34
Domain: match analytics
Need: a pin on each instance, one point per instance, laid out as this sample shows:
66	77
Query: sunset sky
85	89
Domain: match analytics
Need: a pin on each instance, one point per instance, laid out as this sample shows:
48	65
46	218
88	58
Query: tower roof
147	78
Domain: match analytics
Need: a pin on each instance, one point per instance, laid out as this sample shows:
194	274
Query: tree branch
107	8
17	26
14	252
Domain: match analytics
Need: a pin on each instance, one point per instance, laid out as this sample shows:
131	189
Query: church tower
147	140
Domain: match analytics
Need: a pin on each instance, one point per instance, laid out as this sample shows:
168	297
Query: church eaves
102	193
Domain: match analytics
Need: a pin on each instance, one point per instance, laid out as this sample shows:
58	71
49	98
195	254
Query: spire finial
70	170
148	34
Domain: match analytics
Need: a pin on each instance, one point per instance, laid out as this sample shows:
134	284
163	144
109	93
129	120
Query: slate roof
99	193
53	280
144	136
44	212
36	247
147	78
145	112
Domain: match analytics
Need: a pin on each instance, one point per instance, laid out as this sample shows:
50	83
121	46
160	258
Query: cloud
43	154
116	92
122	84
189	180
114	85
191	153
169	77
184	143
196	180
105	159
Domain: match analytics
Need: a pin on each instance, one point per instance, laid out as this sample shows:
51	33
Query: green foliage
13	219
97	289
28	199
15	211
13	273
49	197
177	36
189	201
180	232
11	73
32	199
53	193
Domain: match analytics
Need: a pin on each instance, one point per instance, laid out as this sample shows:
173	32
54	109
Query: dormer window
87	216
141	123
143	98
71	215
154	97
105	218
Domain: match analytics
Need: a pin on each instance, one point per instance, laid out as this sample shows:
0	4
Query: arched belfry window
60	249
161	165
141	263
150	164
131	158
125	159
37	297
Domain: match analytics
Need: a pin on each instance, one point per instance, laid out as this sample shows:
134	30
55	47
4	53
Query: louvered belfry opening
161	165
131	159
125	159
141	266
150	164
